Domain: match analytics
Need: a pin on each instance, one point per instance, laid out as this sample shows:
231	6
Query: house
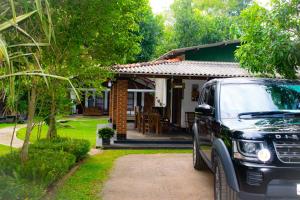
170	85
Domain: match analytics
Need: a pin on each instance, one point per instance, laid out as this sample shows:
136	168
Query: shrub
106	133
14	188
43	166
78	147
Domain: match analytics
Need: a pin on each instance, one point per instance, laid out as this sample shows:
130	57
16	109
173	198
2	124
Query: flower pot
106	141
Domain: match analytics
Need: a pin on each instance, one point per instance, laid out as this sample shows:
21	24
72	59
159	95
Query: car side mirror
204	109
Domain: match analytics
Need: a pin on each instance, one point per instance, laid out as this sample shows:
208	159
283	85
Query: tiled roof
183	68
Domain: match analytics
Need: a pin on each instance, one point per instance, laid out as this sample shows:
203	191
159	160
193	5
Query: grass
88	180
4	125
4	150
77	128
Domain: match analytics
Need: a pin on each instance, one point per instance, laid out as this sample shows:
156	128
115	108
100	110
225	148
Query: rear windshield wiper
247	115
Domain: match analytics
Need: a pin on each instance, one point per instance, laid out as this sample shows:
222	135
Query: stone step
153	141
147	146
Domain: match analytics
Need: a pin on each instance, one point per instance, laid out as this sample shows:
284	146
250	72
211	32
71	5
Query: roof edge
181	50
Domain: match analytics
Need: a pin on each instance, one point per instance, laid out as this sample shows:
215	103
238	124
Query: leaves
3	52
13	22
270	38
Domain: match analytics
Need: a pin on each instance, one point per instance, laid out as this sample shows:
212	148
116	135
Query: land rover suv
247	132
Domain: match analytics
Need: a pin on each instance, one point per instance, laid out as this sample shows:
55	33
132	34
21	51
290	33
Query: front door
176	107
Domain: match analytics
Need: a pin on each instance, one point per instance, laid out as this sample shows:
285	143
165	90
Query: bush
78	147
43	167
28	181
106	133
48	161
14	188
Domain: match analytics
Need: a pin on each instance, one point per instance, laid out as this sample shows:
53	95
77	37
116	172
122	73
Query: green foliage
78	147
43	167
151	32
270	39
106	133
15	188
198	22
49	160
4	150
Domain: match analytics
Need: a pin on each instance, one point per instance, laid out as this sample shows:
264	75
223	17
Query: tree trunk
13	134
39	132
52	131
31	112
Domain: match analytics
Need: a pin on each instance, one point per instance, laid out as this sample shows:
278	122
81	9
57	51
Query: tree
186	26
90	36
271	39
201	21
25	30
166	41
151	31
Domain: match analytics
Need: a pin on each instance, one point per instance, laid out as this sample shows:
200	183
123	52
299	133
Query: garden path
6	134
158	176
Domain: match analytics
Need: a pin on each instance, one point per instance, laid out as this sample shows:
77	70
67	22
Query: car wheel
198	161
222	190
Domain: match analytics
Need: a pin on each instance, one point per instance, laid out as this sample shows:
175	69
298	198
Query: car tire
198	162
222	191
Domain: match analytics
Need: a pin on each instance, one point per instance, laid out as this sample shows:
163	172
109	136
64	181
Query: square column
114	105
121	109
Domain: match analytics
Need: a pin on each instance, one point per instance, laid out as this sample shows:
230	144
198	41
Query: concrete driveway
158	177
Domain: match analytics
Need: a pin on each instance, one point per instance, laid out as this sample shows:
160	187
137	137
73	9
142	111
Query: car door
206	122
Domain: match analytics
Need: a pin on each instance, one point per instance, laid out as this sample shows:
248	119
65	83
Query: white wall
187	104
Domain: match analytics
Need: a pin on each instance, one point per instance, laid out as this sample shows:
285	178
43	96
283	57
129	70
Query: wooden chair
146	123
189	121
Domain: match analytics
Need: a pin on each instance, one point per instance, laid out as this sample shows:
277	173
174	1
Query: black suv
247	132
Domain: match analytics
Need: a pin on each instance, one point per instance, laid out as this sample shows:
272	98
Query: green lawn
79	128
4	125
4	149
88	180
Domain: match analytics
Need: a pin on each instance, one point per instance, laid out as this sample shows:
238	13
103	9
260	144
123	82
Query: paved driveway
158	177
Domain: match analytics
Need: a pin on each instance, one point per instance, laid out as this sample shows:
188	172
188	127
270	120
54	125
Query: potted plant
106	134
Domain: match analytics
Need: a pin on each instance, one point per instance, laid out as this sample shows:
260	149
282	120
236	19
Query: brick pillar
122	98
114	105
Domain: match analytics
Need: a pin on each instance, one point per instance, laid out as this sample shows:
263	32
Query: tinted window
242	98
209	95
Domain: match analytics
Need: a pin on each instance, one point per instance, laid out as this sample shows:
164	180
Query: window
209	95
267	97
100	102
130	105
91	101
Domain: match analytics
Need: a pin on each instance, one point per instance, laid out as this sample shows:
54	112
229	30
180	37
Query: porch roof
183	68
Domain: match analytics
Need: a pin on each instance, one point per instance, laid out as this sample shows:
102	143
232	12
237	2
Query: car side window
202	96
206	94
211	96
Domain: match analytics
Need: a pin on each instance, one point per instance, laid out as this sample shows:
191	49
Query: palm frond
4	52
13	10
11	23
37	73
28	35
30	45
41	69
